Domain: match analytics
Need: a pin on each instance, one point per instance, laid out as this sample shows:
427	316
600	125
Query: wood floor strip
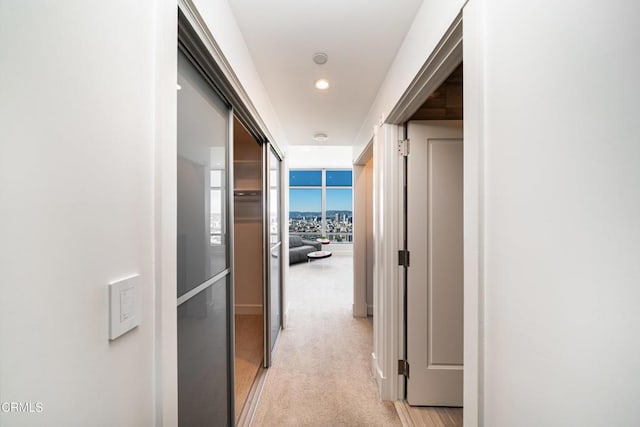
403	413
248	356
429	416
253	398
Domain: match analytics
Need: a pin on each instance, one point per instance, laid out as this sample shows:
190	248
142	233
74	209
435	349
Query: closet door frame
228	234
268	149
196	40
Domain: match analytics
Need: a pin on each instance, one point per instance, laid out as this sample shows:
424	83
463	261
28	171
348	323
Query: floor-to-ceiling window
321	204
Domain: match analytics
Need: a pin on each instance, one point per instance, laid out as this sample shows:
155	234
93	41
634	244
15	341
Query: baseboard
369	309
374	366
359	311
249	309
378	375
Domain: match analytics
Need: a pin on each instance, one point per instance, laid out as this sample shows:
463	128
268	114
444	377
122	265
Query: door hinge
403	258
403	368
403	147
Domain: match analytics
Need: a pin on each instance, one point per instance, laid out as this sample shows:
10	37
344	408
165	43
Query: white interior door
435	276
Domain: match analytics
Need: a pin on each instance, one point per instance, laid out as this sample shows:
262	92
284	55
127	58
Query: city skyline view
306	216
338	226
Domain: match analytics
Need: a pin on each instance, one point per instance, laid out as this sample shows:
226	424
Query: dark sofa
299	248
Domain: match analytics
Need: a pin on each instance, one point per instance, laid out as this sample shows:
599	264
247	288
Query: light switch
124	306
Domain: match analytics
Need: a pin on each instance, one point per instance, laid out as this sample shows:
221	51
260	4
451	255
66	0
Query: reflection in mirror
217	207
274	199
201	168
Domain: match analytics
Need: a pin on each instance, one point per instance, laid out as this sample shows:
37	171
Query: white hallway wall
77	164
87	173
561	206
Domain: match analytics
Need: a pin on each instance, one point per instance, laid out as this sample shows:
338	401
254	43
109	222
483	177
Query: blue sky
305	200
339	200
334	178
310	200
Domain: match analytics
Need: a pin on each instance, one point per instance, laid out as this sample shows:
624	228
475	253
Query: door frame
228	274
443	60
449	52
267	150
360	195
387	292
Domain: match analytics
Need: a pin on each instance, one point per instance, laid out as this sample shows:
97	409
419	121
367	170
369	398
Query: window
298	178
339	178
321	204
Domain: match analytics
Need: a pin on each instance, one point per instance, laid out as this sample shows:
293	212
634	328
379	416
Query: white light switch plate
124	306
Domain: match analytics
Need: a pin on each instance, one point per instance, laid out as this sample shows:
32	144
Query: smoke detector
320	58
321	136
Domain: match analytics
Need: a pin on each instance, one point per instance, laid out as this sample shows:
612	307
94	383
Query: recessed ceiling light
320	58
322	84
320	136
178	86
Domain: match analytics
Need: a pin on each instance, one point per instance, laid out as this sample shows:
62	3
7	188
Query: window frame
323	205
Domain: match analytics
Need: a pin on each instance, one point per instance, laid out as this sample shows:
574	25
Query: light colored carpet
320	375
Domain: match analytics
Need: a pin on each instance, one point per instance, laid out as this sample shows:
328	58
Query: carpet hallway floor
320	374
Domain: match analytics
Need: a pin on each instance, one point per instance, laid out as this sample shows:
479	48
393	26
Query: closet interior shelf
252	193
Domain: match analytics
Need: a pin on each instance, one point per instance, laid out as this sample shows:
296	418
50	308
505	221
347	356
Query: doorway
257	262
434	240
248	262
